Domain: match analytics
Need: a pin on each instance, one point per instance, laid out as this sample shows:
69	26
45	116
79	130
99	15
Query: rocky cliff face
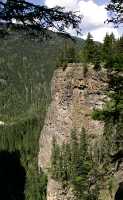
74	96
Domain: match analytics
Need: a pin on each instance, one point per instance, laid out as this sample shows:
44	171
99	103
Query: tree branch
20	13
115	9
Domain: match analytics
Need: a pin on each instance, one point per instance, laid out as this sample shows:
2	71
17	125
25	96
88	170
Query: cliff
74	96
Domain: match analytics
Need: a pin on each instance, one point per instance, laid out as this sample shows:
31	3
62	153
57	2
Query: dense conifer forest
73	163
27	64
26	70
25	73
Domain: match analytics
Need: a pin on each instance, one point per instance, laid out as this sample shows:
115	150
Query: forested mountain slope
86	108
26	69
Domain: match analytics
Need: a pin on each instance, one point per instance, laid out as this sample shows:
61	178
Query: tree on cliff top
108	50
92	52
28	16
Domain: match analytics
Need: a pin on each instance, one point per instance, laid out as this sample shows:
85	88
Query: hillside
75	109
26	69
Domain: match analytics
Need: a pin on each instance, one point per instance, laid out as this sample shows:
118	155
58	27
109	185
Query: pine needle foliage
75	163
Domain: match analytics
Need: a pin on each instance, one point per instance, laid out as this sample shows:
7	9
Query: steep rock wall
74	96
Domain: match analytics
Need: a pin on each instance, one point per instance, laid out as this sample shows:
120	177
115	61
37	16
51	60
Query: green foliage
112	52
103	115
68	54
36	185
90	50
112	112
24	96
97	56
75	164
118	54
55	160
26	69
35	18
108	54
19	136
74	155
85	70
108	50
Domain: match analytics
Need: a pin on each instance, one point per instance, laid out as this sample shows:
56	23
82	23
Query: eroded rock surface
74	96
55	191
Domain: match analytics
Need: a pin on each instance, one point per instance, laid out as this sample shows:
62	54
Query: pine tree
97	57
55	159
118	54
83	144
60	164
83	152
67	55
74	155
71	54
66	157
108	50
84	166
88	49
71	164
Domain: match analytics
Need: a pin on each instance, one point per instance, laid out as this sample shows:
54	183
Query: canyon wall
75	93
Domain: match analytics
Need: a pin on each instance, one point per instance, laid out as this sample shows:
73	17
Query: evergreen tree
71	54
108	50
118	54
97	57
60	164
66	157
74	155
72	165
83	147
55	159
89	49
84	166
67	55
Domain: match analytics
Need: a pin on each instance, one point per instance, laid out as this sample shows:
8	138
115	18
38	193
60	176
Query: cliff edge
74	96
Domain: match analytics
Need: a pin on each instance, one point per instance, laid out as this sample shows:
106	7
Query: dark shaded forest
25	73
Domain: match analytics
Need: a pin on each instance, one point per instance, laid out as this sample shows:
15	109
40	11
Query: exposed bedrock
74	96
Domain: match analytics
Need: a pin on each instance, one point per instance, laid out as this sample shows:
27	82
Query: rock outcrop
74	96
